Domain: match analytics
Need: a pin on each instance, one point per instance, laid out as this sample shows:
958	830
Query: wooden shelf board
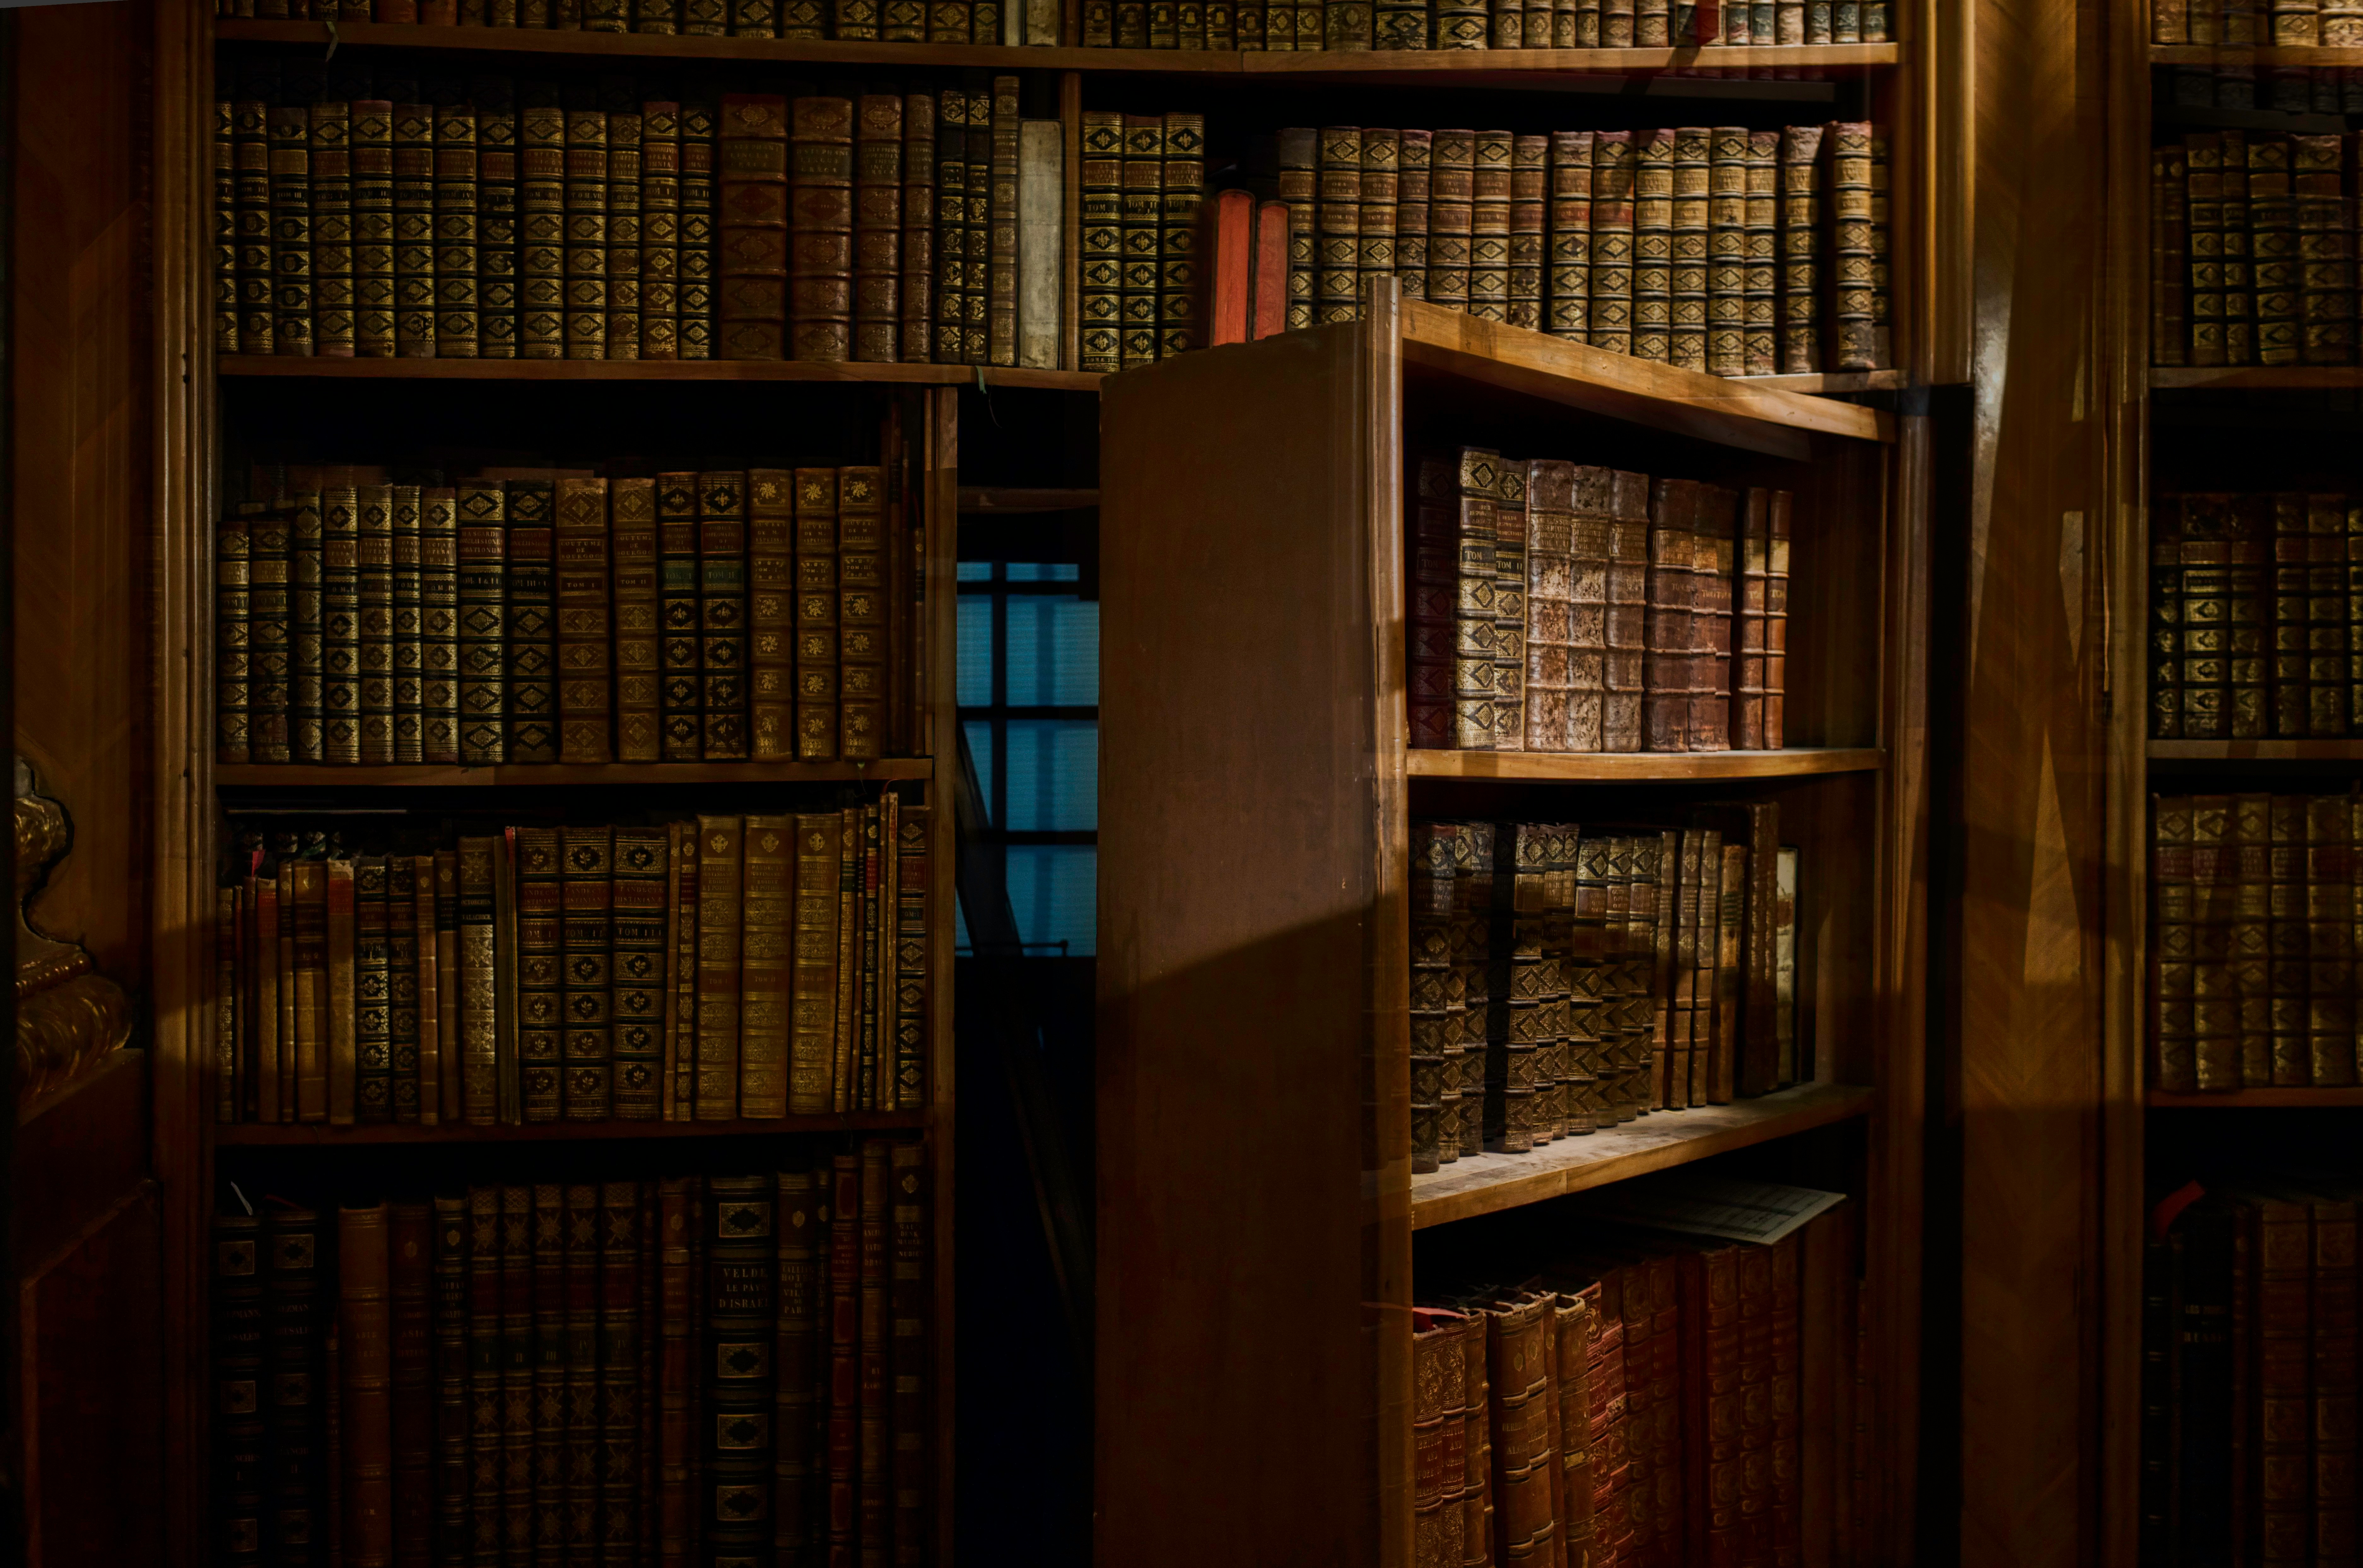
409	774
320	1135
2253	54
1639	767
2256	1099
1825	381
2258	378
315	368
1690	403
2256	751
1487	1184
1006	57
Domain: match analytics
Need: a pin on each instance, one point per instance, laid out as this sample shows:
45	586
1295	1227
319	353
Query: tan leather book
767	904
365	1420
583	628
1549	488
719	848
539	983
1512	529
1627	618
586	971
913	940
772	615
426	989
632	550
476	949
338	992
861	614
816	614
410	1248
1714	541
1730	929
1436	1434
812	1075
1691	1021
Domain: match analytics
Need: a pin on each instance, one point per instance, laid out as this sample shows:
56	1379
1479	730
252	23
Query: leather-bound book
817	610
951	275
1144	185
1687	242
802	1224
1472	897
659	228
1749	624
2239	275
1529	181
1715	551
1776	625
1415	194
1626	617
540	982
373	576
481	576
2173	911
1435	1424
1801	247
1431	623
911	943
2169	325
1509	1018
449	1411
872	1477
1537	975
545	1349
412	139
340	994
2215	1002
877	227
1632	918
409	732
813	1009
2203	163
479	1034
2166	642
530	646
1435	997
587	894
458	319
1726	250
765	904
438	625
700	119
1376	194
2272	242
1729	973
679	649
288	127
1227	276
1595	986
846	1047
719	925
2331	1322
584	634
632	542
270	639
638	966
496	227
681	1028
1581	494
341	654
1667	669
862	619
976	227
1567	235
585	258
844	1409
676	1374
1476	478
410	1251
1850	324
740	1313
920	243
618	1410
1760	244
1577	1068
1001	242
579	1470
1296	155
1548	635
625	167
2277	1048
2284	1248
272	1046
306	599
722	613
907	1301
2285	632
2206	613
294	1453
365	1413
2247	589
2329	911
819	234
487	1391
1041	202
401	943
429	977
541	281
329	145
2327	665
250	218
1650	199
1100	278
1488	241
1511	531
233	670
770	613
239	1433
303	903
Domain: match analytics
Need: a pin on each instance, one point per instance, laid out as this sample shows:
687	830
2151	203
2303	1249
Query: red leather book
1230	277
1714	1402
1776	625
1268	272
820	230
1517	1336
364	1323
878	228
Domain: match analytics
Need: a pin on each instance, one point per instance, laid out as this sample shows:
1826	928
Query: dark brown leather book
402	977
269	631
2329	859
1749	623
1668	669
288	127
1143	182
487	1377
679	1357
752	226
976	302
639	1002
240	1432
477	976
250	195
1434	999
579	1504
767	903
695	262
2173	916
541	1005
817	610
1431	621
1512	528
2202	160
232	608
623	1391
862	618
843	1354
637	665
1547	634
531	643
373	579
919	238
872	1502
458	320
1519	1336
410	1249
584	634
1530	180
659	226
1754	828
912	1045
1716	546
1338	223
365	1411
586	244
878	226
482	632
1471	958
587	901
307	605
1628	612
681	1036
1436	1434
681	692
802	1226
408	653
2282	1362
820	229
496	217
292	1326
1477	1451
450	1410
770	613
1801	242
908	1303
415	305
372	992
951	275
340	619
1776	626
439	623
547	1350
722	613
622	107
719	928
339	994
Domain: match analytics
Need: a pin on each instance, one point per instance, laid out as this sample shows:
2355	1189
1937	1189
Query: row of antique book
719	968
1137	24
2253	248
1561	608
2256	615
371	614
716	1369
376	211
1637	1395
2275	89
1718	248
2336	24
2248	1363
1565	979
2254	902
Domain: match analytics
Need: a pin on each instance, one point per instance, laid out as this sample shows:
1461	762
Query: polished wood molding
1015	57
1642	766
314	366
326	1135
305	776
69	1016
2258	378
1686	402
1487	1184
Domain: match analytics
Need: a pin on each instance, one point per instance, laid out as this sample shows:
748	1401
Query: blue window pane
1053	893
976	571
1053	777
960	926
1038	571
975	650
980	749
1053	653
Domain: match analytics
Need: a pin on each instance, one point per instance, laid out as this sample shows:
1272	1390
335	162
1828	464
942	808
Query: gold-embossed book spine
772	615
329	136
878	225
638	669
233	669
457	297
676	499
660	225
820	229
1101	239
483	636
765	966
531	643
583	626
587	1092
586	223
719	927
921	245
639	1003
816	614
373	503
413	229
497	216
340	617
752	226
695	262
409	730
812	1016
269	640
541	222
625	167
722	613
540	986
289	127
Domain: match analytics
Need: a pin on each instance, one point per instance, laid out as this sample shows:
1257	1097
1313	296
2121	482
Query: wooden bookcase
1257	1213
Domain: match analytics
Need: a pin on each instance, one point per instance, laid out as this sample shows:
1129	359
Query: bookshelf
1254	883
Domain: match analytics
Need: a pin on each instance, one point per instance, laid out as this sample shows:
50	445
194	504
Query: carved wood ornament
69	1016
